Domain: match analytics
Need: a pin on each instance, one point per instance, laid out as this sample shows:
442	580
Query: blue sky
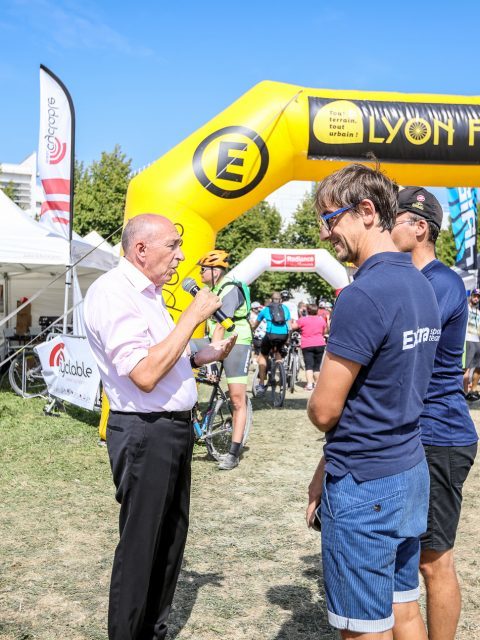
146	74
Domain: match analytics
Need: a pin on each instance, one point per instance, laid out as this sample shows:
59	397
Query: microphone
190	286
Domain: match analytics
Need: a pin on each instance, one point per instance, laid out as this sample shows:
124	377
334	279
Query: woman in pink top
312	329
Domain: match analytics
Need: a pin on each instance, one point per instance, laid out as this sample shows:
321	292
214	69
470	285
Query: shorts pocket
461	461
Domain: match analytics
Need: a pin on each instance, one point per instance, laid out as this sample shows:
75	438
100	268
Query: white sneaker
228	463
260	389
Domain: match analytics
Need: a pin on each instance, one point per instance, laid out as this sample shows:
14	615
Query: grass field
251	567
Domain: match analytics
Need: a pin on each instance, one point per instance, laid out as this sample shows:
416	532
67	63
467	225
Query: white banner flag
70	370
55	152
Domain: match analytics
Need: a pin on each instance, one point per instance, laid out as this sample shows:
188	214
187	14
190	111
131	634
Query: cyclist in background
287	301
324	313
312	328
260	331
472	358
235	297
277	316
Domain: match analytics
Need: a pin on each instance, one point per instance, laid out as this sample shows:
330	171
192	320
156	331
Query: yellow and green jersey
235	297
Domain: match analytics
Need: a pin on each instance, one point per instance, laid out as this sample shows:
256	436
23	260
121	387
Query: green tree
445	246
259	227
9	190
100	192
302	233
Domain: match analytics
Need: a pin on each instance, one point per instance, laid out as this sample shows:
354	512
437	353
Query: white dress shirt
125	315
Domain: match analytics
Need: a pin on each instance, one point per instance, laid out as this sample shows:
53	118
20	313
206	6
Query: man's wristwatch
193	364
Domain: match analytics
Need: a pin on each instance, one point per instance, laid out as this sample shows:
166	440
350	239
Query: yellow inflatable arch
280	132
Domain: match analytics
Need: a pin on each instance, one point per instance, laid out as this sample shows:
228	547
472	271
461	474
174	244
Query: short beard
346	253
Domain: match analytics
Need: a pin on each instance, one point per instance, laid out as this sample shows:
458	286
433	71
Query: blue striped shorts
371	546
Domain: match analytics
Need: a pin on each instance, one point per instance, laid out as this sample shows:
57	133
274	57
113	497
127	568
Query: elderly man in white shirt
147	376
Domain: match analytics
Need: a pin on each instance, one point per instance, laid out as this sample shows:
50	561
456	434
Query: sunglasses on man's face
324	218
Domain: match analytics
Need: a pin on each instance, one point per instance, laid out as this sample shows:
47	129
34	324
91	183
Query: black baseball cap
422	203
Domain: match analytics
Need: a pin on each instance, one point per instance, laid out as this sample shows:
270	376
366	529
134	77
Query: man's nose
324	232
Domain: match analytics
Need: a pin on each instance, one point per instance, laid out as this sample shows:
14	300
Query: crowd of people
386	378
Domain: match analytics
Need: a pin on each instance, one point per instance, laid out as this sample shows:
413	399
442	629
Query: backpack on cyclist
245	291
277	313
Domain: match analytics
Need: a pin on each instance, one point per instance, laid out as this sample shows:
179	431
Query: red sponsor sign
289	260
57	355
278	260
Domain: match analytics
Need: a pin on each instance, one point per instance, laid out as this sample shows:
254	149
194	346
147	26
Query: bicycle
214	425
292	361
276	379
25	370
25	375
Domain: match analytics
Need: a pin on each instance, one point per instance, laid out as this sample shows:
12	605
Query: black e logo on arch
231	162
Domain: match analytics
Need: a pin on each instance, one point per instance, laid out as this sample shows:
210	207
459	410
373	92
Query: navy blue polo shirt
388	321
445	420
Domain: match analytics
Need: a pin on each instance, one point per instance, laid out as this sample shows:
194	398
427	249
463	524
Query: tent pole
6	293
68	284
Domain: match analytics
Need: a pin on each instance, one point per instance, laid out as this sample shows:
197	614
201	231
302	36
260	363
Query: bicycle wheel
278	384
255	381
220	427
25	375
248	422
219	430
292	374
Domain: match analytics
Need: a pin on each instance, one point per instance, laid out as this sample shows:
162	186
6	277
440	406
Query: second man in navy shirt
447	430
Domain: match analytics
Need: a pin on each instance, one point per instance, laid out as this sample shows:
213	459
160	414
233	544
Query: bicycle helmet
285	294
215	258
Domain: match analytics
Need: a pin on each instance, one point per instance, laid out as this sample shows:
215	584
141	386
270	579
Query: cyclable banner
70	370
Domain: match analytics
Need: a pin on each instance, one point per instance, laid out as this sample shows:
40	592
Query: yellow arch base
279	132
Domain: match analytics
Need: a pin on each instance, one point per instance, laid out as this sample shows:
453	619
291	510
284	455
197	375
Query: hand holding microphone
209	304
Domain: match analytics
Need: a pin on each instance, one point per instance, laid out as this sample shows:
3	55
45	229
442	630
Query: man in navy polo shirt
378	364
447	430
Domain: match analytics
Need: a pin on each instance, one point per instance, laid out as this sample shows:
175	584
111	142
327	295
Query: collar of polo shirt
138	279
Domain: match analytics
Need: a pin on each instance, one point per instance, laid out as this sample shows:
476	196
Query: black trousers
150	459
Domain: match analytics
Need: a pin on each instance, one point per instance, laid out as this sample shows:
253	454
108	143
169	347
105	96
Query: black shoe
472	396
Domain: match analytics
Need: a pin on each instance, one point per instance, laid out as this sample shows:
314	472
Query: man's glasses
203	269
324	218
404	222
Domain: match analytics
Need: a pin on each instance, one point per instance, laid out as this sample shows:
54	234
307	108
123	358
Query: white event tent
31	256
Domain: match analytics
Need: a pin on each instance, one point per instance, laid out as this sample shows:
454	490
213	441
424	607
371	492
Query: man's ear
422	227
140	249
367	210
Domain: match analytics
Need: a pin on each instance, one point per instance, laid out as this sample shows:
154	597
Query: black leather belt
180	416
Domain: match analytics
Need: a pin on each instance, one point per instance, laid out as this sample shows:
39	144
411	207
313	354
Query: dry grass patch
251	567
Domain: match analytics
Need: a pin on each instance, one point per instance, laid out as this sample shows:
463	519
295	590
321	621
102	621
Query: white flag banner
55	152
69	369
